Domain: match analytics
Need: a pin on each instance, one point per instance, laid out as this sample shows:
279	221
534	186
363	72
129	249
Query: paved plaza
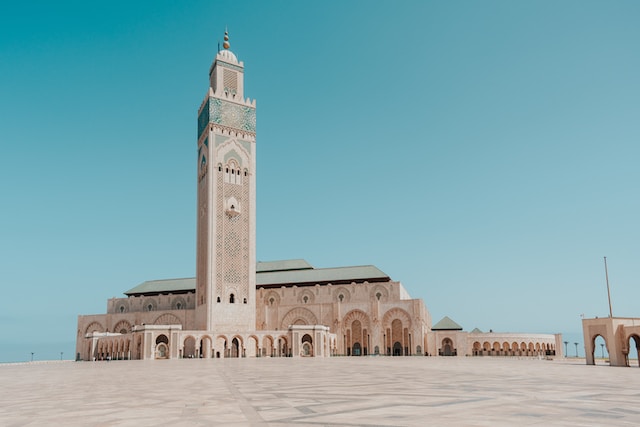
365	391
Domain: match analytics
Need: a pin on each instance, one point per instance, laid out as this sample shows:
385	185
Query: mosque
238	307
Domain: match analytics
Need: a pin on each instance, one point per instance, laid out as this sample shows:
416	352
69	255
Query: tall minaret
226	225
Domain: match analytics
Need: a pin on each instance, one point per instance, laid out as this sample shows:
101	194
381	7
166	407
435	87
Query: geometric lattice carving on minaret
230	79
219	209
232	242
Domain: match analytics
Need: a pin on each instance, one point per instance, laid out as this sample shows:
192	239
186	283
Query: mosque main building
238	307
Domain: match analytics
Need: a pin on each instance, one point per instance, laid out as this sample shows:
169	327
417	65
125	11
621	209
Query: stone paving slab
364	391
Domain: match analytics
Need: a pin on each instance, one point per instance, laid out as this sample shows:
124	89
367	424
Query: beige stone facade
358	318
620	334
237	307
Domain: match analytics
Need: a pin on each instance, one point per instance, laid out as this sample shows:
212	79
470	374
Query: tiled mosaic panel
227	114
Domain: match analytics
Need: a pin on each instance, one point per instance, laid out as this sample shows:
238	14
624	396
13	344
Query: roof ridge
347	266
166	280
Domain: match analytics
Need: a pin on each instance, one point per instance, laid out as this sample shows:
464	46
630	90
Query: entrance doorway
357	349
447	347
397	348
634	349
162	347
235	348
307	345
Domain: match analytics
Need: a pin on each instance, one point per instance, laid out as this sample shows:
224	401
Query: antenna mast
606	274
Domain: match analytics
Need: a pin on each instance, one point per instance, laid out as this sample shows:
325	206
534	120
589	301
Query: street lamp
565	348
61	355
32	356
576	348
601	350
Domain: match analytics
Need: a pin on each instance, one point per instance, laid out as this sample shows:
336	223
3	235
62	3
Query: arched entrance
307	345
283	347
189	350
253	349
235	347
205	347
357	349
634	342
357	333
162	347
447	348
221	346
477	349
396	326
397	348
267	347
600	348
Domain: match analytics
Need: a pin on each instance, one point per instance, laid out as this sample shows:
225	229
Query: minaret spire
226	44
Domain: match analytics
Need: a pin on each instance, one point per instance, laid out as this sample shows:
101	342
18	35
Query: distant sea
21	352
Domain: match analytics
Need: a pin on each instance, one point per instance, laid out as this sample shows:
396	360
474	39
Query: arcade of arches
401	330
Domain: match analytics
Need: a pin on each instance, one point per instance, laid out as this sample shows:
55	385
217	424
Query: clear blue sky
483	153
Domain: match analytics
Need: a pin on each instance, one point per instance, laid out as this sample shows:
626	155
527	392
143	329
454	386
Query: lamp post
576	348
565	348
32	356
61	355
602	350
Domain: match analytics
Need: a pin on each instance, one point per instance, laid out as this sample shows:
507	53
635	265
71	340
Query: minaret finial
226	44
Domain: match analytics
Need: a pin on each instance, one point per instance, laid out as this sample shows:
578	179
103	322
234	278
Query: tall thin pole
606	273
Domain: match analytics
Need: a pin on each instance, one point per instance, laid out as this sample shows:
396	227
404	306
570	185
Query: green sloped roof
163	286
477	331
321	276
446	324
275	274
284	265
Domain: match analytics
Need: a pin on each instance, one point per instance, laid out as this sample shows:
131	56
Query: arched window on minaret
232	173
232	298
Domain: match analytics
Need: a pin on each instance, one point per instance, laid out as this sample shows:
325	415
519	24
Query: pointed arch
253	346
306	297
233	149
633	339
94	327
341	294
167	319
272	298
283	345
189	347
379	293
178	303
298	315
149	304
122	327
447	347
267	346
354	315
396	313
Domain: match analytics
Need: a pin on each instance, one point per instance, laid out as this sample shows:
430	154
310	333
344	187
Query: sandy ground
365	391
